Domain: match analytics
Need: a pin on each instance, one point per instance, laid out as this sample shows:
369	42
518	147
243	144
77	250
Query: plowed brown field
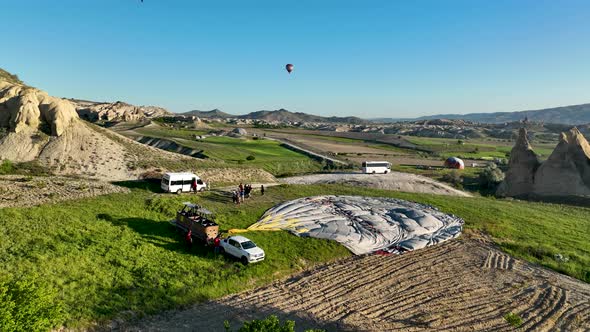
462	285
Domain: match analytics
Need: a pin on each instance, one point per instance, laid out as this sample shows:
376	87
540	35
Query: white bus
372	167
181	182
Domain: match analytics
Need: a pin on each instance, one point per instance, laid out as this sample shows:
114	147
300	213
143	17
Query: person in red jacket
189	238
194	185
216	244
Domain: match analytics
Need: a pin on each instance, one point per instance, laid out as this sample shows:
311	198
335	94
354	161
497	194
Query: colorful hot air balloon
454	162
289	68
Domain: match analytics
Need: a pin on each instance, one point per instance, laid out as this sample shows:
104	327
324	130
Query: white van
372	167
181	182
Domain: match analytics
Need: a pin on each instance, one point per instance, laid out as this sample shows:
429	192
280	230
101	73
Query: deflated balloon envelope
363	224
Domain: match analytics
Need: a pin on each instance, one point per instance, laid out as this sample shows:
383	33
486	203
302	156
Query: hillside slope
36	126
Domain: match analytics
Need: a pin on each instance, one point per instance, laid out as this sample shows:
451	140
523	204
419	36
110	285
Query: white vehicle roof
383	161
183	175
239	238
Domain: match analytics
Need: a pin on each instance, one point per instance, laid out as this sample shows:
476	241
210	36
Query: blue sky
368	58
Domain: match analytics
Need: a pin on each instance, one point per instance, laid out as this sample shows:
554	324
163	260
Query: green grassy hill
116	255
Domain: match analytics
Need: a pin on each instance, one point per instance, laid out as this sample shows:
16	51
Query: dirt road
462	285
391	181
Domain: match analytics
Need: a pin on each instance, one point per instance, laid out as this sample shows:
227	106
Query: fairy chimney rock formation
567	171
522	166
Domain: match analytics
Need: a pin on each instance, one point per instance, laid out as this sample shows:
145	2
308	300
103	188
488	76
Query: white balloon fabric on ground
363	224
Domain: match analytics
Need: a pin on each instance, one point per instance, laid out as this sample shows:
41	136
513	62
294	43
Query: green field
348	141
267	154
116	255
473	149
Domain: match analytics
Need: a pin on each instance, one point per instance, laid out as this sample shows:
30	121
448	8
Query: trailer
198	220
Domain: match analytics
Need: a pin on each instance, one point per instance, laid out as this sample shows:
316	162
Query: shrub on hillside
152	175
25	306
27	167
454	177
6	167
491	176
250	157
269	324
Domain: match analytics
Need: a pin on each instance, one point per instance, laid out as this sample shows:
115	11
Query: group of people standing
243	192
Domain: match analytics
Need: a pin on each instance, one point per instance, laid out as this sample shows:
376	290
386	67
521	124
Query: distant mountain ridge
569	115
281	115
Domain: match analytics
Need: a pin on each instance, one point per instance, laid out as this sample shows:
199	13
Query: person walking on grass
247	190
241	192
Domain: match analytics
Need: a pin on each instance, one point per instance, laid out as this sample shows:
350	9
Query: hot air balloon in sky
289	68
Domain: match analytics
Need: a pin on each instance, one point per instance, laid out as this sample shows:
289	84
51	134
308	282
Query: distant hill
390	120
569	115
209	114
281	115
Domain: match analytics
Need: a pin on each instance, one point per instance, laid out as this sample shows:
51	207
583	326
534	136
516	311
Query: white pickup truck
242	248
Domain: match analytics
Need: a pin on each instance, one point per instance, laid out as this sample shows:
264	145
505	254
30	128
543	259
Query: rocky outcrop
117	111
521	168
23	107
37	127
565	173
239	132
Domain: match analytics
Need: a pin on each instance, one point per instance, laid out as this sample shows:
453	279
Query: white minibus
372	167
181	182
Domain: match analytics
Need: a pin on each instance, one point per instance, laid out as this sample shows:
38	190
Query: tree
491	176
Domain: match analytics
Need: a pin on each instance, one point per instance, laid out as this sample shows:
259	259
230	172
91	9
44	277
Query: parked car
242	248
